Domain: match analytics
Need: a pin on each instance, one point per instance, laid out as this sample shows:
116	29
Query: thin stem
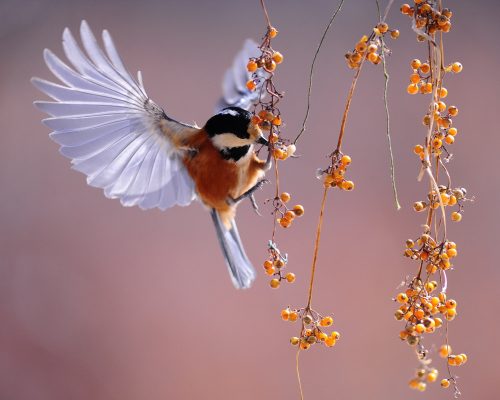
316	248
386	104
348	104
309	89
265	13
298	374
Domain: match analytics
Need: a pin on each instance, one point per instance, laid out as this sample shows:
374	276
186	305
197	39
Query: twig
309	89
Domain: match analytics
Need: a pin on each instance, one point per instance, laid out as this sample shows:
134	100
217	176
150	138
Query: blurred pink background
98	301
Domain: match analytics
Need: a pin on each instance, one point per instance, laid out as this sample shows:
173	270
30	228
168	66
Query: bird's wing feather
234	90
105	123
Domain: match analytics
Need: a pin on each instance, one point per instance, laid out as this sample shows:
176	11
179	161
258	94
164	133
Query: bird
127	145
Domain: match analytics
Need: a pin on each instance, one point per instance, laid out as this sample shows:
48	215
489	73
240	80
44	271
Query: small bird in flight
127	145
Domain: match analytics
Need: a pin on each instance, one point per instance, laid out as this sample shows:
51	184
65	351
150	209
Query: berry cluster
370	48
448	197
285	216
427	18
268	60
275	265
422	376
422	310
313	326
426	250
334	174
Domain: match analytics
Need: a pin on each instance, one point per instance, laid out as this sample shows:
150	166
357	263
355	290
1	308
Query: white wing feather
234	90
110	129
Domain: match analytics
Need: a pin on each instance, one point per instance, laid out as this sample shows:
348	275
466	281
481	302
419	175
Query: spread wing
109	128
234	90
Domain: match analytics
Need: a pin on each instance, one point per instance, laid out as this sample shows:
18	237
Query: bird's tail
240	269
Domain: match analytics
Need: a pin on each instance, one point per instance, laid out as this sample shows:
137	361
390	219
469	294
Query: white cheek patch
229	140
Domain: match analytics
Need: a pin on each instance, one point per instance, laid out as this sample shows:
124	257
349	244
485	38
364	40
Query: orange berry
456	216
347	185
270	271
294	341
449	139
412	89
270	65
405	8
418	149
278	57
416	63
452	131
456	67
414	78
251	85
402	298
273	32
345	160
289	215
444	350
326	321
290	277
445	383
451	304
274	283
285	197
425	68
268	264
395	34
443	92
276	121
285	314
452	110
330	341
298	210
252	66
293	316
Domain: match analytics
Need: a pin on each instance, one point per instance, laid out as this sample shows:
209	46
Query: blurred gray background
103	302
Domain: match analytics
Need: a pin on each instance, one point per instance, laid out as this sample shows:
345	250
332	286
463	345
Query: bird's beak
262	140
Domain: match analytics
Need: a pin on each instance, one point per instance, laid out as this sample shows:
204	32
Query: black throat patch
234	153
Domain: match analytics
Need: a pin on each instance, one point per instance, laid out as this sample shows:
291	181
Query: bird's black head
233	133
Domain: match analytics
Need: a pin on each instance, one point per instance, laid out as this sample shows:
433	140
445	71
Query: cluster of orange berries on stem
313	326
334	175
448	197
370	48
275	265
426	16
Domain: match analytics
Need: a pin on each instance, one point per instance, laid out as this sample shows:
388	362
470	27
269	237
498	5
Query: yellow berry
285	197
294	341
416	63
456	216
345	160
432	377
278	57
